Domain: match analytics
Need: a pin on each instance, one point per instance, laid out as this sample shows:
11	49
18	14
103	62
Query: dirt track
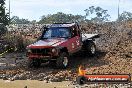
33	84
47	76
47	72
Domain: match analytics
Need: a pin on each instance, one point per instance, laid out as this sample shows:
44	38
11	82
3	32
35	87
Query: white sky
34	9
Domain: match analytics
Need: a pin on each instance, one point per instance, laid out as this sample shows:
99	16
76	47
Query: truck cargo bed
89	36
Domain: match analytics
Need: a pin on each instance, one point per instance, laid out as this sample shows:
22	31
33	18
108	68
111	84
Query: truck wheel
81	80
34	63
52	63
91	48
30	63
62	60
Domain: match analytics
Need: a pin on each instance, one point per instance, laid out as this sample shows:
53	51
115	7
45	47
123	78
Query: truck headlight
54	50
29	50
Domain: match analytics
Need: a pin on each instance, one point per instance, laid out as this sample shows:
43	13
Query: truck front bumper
32	56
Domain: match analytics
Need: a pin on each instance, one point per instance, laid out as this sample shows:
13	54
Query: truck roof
62	25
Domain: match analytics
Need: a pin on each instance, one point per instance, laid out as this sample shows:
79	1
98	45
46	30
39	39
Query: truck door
75	42
77	38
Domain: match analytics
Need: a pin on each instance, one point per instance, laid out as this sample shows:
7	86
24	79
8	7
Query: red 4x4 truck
57	42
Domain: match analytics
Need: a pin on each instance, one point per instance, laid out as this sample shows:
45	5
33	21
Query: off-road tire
52	63
91	48
34	63
62	61
81	80
29	63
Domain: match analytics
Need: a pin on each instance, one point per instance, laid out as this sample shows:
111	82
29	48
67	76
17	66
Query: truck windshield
56	32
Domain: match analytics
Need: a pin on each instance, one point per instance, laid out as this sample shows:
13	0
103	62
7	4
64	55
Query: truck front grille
40	51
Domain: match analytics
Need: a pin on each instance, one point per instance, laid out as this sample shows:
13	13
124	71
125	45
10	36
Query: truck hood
47	43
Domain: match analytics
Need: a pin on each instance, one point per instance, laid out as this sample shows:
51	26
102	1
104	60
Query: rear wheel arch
87	41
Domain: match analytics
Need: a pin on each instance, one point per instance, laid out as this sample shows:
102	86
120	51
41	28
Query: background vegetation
4	17
92	14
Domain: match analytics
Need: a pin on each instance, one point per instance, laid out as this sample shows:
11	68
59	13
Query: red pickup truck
57	42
